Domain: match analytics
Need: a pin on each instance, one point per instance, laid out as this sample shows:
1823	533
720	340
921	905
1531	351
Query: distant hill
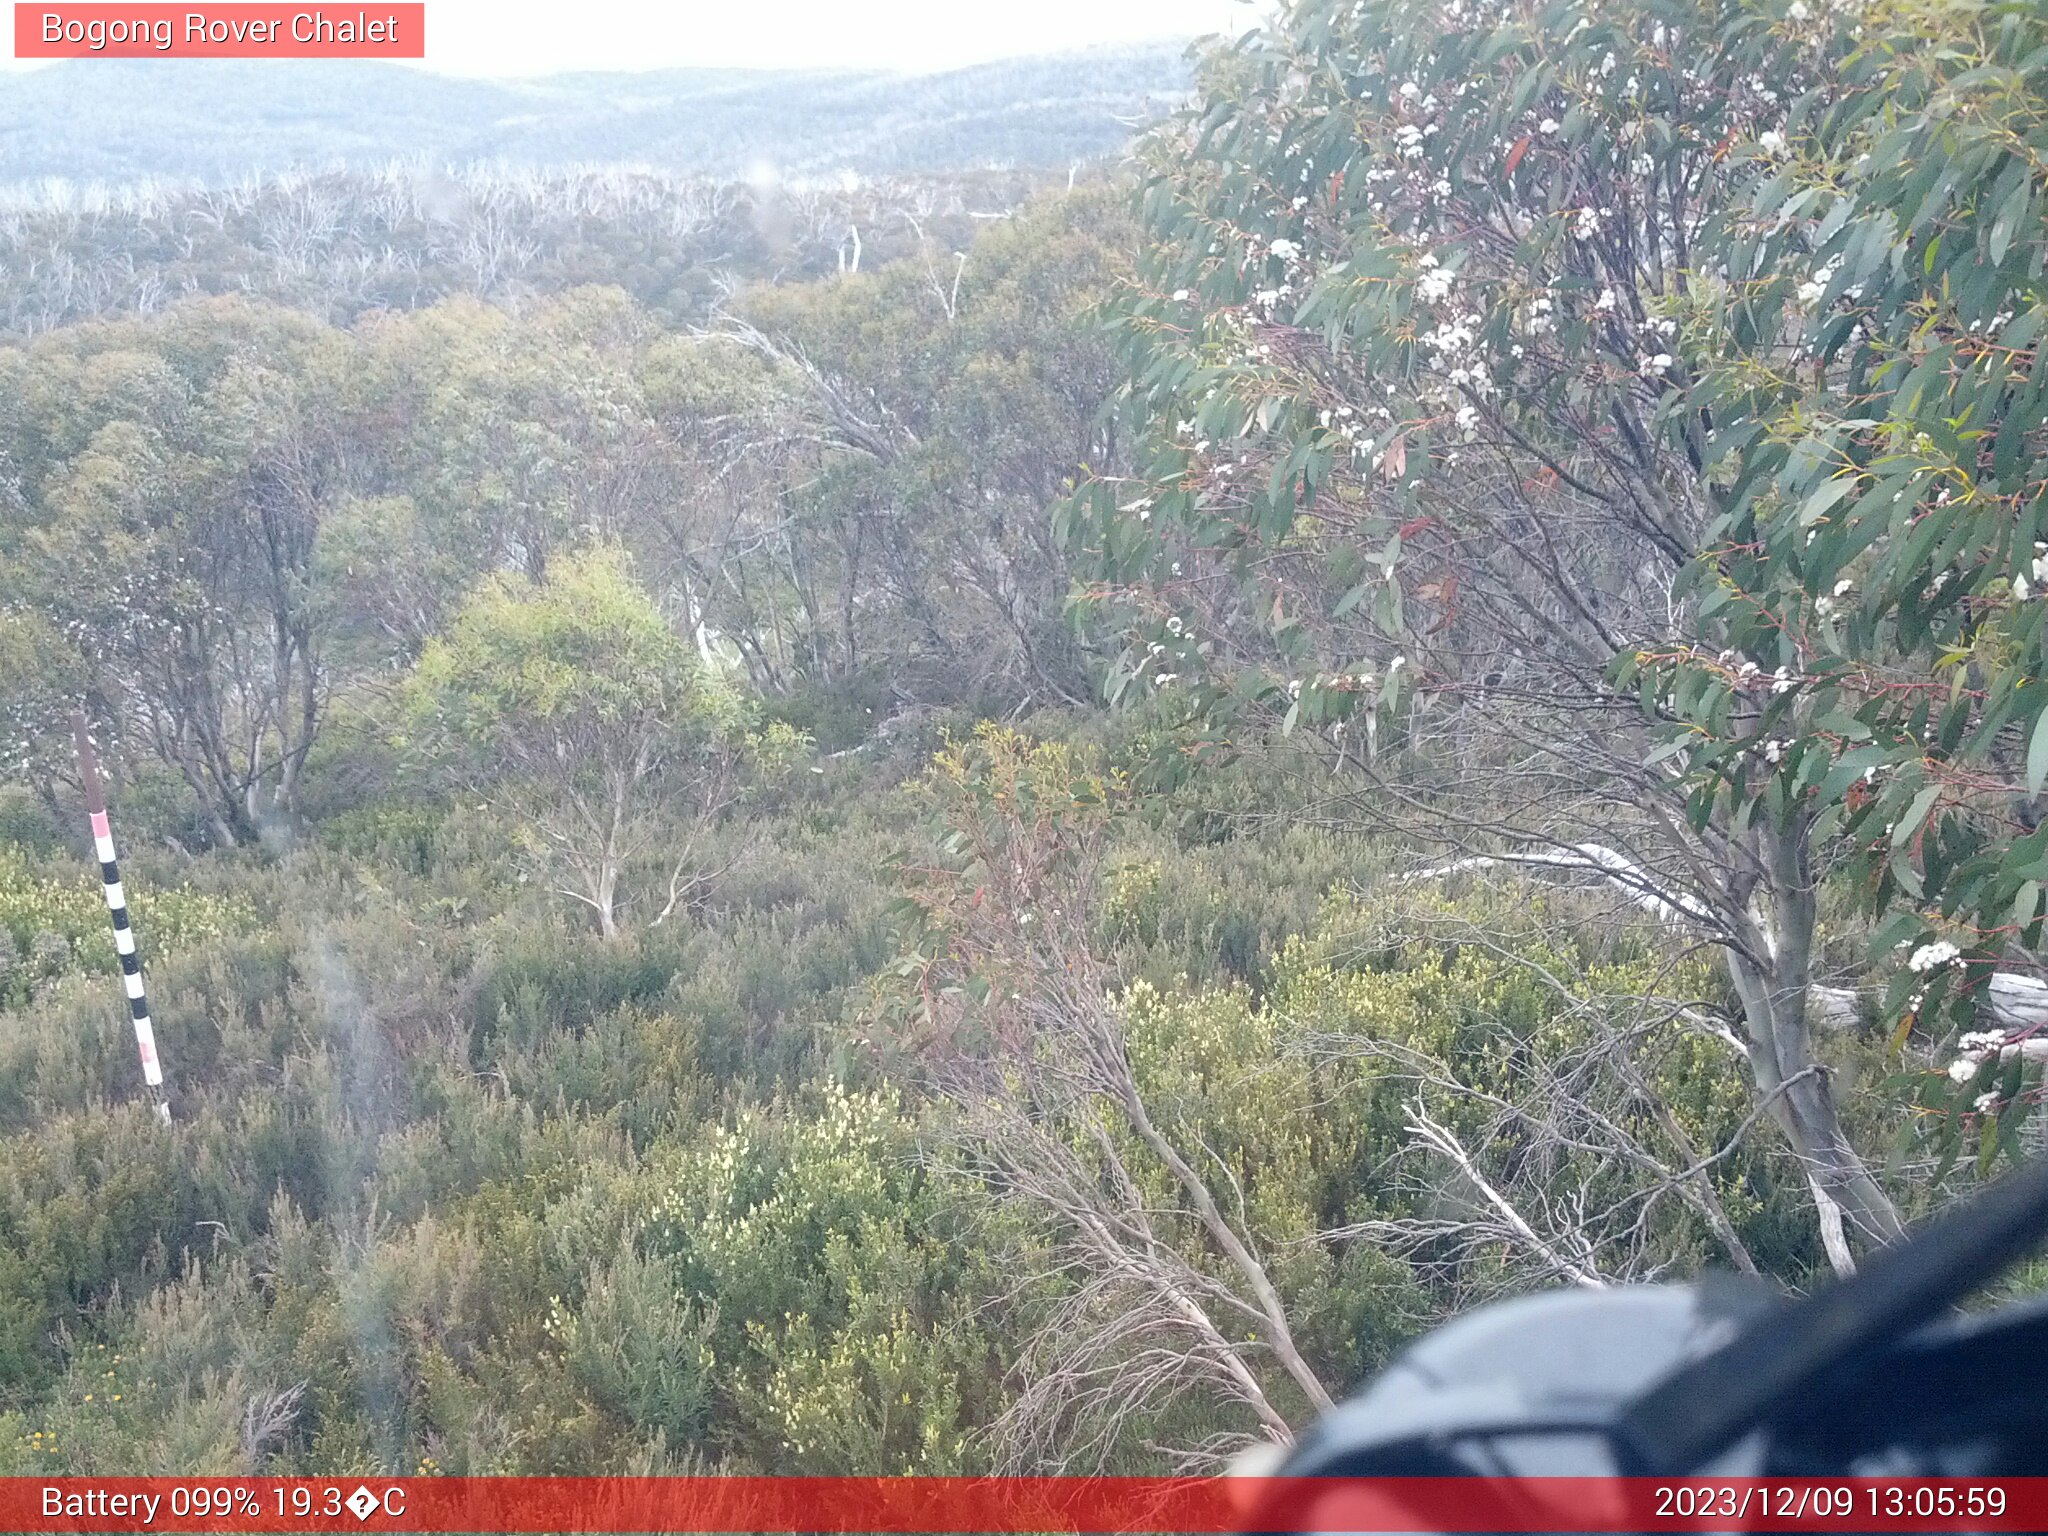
120	121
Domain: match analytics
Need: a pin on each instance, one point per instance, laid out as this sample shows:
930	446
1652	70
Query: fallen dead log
2011	1003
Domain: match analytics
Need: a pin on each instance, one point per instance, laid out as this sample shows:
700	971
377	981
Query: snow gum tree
1608	433
574	704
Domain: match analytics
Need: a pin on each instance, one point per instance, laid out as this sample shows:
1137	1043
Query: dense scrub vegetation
666	960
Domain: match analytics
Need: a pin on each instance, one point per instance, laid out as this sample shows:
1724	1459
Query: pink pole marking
99	825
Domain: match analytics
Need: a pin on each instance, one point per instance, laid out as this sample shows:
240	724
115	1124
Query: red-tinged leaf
1515	155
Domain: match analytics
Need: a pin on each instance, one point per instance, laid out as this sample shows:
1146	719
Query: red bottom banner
898	1506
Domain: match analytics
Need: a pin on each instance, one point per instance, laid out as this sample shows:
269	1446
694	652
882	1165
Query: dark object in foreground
1873	1376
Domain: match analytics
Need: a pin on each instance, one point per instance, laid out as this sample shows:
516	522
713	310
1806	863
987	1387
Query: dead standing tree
1163	1288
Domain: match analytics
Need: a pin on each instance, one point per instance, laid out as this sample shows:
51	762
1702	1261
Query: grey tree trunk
1772	975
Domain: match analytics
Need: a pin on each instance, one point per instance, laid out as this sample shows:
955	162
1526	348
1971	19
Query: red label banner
1003	1506
235	31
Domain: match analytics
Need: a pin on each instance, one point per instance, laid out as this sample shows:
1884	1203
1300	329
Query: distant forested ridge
214	120
345	188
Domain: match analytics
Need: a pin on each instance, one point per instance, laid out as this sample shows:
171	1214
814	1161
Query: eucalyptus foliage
1721	319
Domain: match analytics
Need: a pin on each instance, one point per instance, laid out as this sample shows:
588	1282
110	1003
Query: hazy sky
532	37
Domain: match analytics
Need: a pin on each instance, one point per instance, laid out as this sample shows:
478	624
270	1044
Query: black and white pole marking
117	905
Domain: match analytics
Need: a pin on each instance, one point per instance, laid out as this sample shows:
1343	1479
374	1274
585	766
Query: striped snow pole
117	905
